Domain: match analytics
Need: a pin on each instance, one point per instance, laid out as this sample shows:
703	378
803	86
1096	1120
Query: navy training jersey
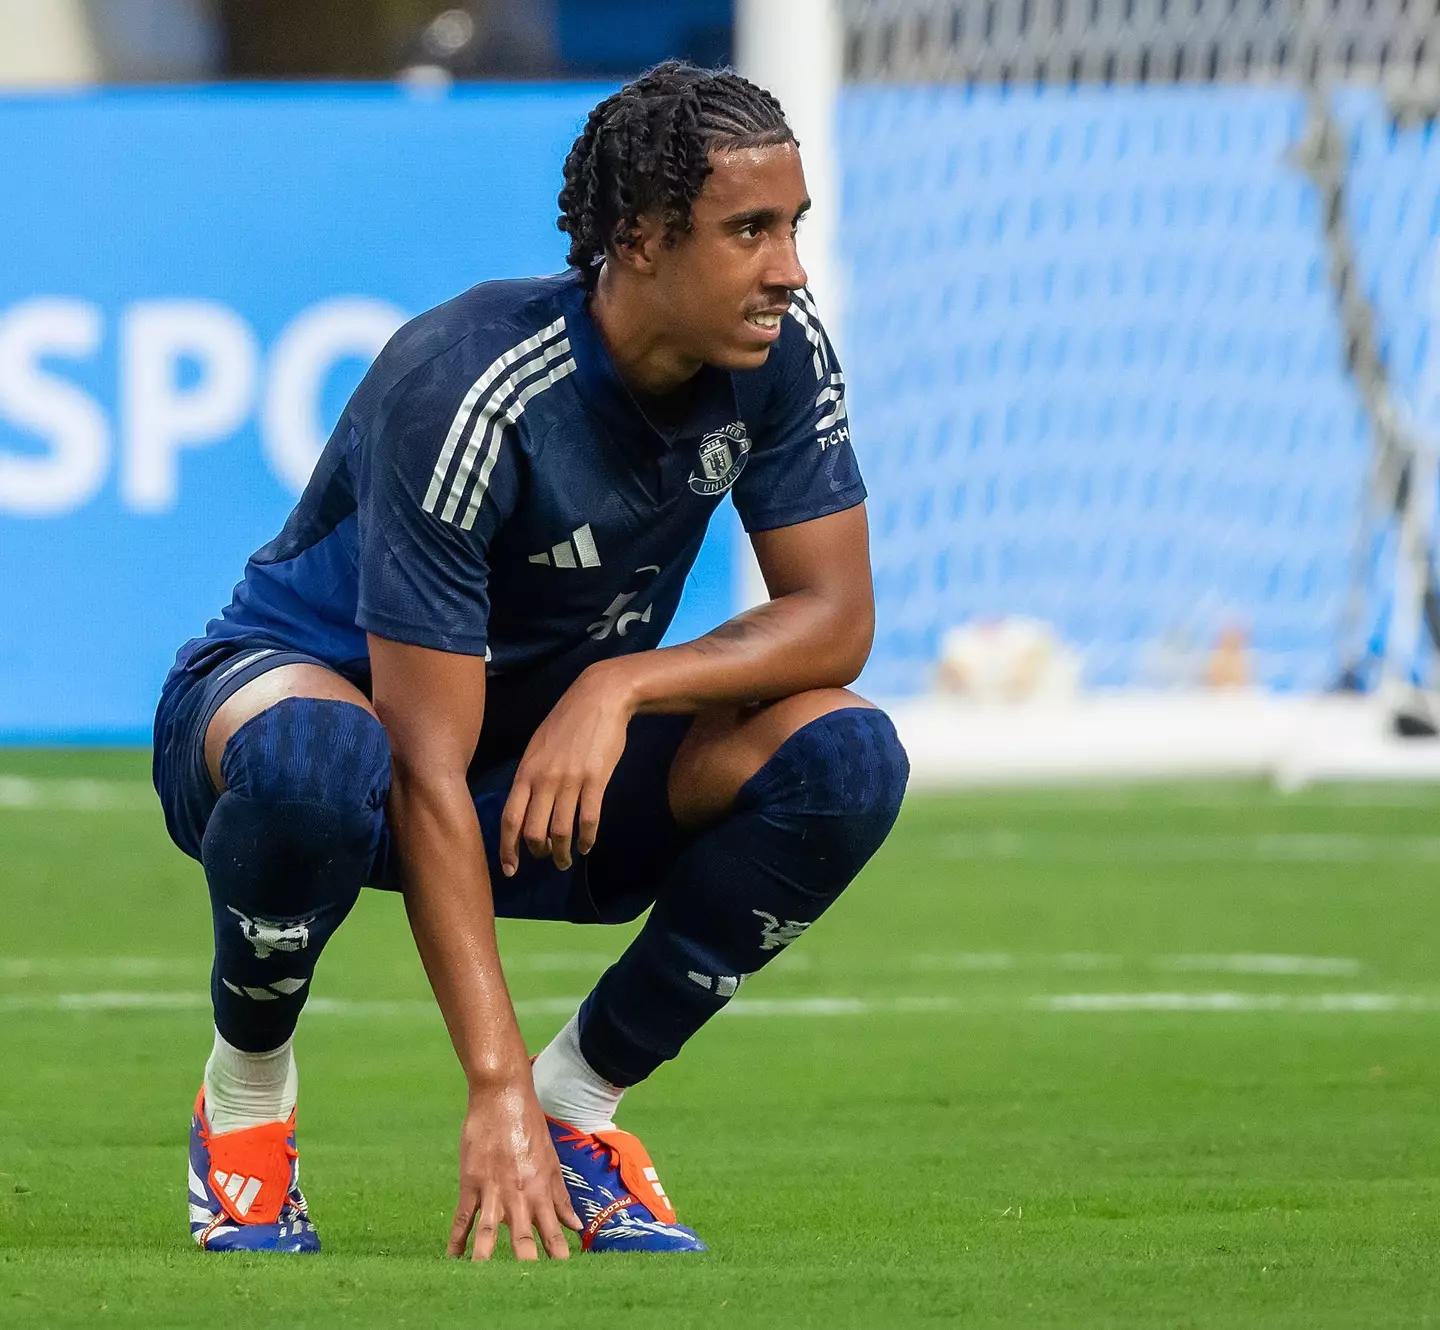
492	488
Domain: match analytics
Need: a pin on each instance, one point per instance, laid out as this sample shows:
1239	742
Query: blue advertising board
1096	366
192	284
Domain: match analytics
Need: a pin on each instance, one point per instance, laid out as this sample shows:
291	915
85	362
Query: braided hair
647	148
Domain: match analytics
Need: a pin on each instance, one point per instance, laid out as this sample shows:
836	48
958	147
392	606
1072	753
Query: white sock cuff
569	1088
248	1089
239	1057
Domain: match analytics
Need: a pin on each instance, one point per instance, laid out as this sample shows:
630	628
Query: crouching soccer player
444	677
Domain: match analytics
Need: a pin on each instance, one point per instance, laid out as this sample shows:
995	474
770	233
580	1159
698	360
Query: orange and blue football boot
617	1193
245	1188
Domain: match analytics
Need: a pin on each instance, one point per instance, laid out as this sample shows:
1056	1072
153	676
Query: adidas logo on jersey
577	552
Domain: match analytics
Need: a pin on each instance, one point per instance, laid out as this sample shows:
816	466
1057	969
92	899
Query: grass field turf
905	1122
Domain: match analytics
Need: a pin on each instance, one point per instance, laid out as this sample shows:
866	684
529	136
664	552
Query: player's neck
647	360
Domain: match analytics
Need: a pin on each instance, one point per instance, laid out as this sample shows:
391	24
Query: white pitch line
558	962
1260	963
15	968
26	794
970	961
119	1000
136	967
141	967
985	961
811	1006
150	967
117	967
1310	1003
56	794
1237	963
1103	1003
1149	797
115	1000
418	1007
1268	847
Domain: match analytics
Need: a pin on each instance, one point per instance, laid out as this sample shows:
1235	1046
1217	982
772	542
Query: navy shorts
618	880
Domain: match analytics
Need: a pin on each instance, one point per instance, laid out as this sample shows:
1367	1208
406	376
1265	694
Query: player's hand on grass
509	1175
566	767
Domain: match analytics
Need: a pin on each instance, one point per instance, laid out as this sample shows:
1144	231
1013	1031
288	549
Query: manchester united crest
722	458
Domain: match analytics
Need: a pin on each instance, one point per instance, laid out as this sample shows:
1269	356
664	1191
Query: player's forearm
452	916
788	645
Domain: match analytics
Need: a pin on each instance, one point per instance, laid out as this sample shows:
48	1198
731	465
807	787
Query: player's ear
639	249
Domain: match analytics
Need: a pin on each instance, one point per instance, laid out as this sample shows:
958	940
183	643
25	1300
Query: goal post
794	48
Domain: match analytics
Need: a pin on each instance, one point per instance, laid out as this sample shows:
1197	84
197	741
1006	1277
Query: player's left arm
802	500
814	632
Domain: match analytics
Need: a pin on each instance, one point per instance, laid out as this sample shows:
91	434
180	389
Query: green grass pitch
1116	1057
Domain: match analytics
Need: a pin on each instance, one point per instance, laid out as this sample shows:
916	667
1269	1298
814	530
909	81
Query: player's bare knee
780	719
260	694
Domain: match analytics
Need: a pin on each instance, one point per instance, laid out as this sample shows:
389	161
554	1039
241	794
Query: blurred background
1135	299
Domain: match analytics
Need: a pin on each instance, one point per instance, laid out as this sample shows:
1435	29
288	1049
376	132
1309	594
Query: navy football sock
802	828
286	851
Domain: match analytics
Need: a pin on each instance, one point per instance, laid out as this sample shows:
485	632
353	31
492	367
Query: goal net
1138	328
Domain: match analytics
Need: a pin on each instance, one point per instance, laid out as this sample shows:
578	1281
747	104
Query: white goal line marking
1316	1003
120	1000
108	794
551	1006
29	794
152	967
1265	847
1161	796
115	967
1084	961
1104	1003
593	962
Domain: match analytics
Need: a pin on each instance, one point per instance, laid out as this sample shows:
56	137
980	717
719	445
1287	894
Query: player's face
728	281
